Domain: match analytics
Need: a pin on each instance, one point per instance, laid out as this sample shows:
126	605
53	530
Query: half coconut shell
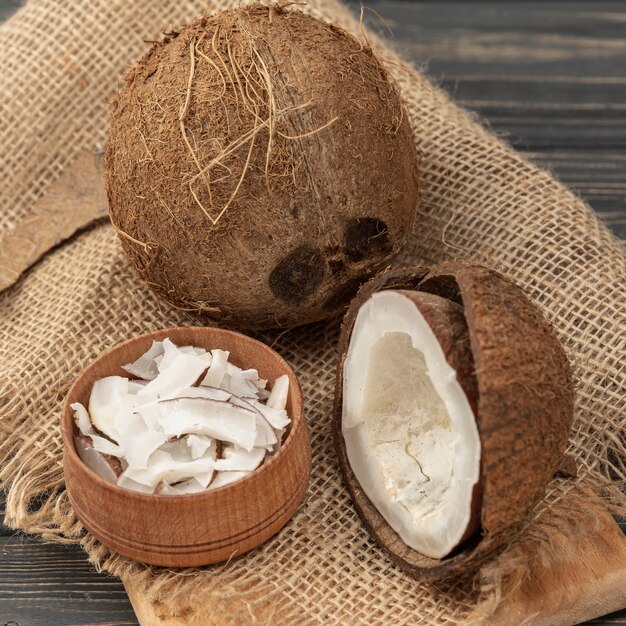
524	406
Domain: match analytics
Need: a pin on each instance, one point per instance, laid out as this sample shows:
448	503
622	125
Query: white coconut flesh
410	433
190	421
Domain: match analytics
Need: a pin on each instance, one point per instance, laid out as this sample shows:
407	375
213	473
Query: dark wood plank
599	176
614	619
52	585
7	7
45	584
548	76
4	531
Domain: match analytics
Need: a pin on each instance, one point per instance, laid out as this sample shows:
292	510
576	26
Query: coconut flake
145	366
280	432
204	478
240	382
201	416
128	483
81	417
166	427
137	450
279	393
217	370
105	446
170	352
278	418
184	371
136	385
108	396
149	412
265	435
177	448
106	467
225	478
210	393
236	459
260	383
128	424
193	350
198	445
181	450
163	466
181	488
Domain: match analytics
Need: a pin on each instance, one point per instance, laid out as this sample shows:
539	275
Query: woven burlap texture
61	62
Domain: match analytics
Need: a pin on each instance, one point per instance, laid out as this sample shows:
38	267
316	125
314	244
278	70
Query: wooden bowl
200	528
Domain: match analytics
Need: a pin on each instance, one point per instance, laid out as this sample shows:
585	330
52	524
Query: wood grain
51	585
193	613
548	76
586	578
205	527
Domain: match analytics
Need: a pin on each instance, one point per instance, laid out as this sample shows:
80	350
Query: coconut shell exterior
524	407
281	230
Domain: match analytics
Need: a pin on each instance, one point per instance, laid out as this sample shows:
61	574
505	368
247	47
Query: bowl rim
68	425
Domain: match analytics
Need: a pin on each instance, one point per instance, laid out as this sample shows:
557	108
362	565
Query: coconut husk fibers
517	379
479	199
260	167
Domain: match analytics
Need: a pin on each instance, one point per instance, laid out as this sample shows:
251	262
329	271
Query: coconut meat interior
410	433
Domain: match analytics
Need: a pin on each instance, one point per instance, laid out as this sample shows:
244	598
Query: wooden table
550	76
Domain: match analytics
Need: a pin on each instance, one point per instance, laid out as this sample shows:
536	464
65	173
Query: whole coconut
259	167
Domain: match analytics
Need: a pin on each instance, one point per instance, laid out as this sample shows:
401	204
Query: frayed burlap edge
38	504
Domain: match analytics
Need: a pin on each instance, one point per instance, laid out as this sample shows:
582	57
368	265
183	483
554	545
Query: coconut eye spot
410	434
298	275
366	237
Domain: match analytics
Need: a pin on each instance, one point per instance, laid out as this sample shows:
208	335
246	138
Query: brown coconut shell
247	225
524	407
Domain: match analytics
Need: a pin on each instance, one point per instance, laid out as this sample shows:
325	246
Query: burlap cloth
60	63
